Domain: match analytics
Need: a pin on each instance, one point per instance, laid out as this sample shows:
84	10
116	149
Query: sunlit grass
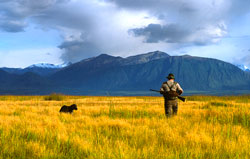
124	127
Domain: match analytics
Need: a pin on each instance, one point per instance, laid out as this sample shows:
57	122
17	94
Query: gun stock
178	96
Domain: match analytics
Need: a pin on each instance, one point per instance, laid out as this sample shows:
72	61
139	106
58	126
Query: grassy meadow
124	128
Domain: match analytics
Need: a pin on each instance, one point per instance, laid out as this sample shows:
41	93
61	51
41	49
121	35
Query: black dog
68	109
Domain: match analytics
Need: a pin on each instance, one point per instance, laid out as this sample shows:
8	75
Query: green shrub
54	96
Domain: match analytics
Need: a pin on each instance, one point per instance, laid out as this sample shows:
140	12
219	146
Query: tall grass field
124	128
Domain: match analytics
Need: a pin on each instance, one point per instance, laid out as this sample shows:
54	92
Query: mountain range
42	69
134	75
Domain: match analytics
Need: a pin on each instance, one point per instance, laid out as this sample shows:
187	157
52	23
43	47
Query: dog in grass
68	109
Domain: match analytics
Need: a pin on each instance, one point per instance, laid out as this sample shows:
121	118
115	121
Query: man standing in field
170	90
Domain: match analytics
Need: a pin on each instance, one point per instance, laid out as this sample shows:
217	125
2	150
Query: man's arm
179	90
162	89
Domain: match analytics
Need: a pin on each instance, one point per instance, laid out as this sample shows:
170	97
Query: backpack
171	95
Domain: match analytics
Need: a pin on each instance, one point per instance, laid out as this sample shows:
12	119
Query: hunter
170	90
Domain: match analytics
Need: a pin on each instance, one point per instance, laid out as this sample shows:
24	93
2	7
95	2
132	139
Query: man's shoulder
176	83
170	82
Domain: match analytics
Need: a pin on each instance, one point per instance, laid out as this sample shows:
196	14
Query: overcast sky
58	31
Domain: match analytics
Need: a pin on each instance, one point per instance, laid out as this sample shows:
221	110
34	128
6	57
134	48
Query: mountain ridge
106	73
42	69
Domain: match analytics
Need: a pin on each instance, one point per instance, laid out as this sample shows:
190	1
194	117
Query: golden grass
124	127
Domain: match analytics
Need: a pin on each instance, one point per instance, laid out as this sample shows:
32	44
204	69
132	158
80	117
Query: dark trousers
171	107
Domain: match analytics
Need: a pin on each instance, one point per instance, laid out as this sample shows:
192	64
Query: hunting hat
170	76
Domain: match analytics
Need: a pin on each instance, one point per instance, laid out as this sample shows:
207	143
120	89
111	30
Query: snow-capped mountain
243	67
42	69
47	65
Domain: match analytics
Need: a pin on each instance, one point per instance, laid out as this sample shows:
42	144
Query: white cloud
89	28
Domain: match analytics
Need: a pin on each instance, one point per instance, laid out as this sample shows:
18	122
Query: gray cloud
14	13
84	29
238	8
228	7
13	26
64	17
77	48
192	22
70	18
174	33
88	28
75	51
151	4
154	33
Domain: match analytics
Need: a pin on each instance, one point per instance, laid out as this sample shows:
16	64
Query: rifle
176	95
